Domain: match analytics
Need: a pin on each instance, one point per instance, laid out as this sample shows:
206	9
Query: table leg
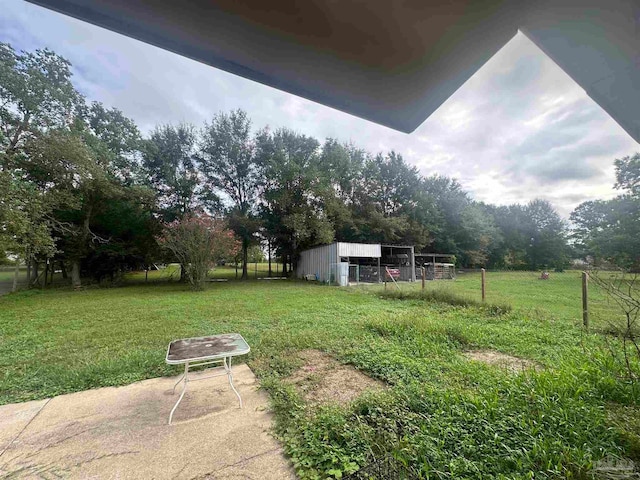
184	389
227	367
176	384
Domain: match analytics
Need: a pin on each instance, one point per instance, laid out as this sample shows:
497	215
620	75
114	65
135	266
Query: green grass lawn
558	298
443	415
254	270
225	272
6	274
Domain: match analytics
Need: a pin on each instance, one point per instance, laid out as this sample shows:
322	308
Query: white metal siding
317	261
359	250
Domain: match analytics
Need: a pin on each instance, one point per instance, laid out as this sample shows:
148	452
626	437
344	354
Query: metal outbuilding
343	263
330	263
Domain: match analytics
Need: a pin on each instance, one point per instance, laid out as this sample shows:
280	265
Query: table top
206	348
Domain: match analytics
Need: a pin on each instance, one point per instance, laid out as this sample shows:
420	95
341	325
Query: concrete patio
122	432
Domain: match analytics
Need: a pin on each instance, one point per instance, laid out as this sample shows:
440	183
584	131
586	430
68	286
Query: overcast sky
520	128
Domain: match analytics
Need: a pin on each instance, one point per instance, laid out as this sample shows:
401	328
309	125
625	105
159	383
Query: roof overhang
391	62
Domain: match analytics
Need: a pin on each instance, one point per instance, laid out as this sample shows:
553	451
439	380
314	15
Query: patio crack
24	428
239	462
108	455
62	440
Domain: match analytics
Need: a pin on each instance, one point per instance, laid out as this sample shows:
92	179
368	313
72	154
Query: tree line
82	188
608	231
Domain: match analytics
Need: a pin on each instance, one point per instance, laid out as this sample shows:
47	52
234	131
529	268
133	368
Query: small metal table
199	351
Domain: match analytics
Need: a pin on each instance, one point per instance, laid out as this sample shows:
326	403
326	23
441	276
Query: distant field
6	278
558	298
6	274
259	270
172	272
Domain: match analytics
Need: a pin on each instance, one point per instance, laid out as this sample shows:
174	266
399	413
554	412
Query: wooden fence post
424	274
484	284
585	300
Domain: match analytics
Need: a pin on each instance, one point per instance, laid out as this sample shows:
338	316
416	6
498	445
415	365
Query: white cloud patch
520	128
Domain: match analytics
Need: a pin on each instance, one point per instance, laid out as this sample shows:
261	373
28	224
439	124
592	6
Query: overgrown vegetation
445	296
443	415
624	291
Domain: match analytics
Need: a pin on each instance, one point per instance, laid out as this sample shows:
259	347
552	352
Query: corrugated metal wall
317	261
359	250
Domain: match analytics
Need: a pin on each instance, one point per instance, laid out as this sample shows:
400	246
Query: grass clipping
444	296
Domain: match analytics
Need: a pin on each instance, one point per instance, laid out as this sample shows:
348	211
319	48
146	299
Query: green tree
547	233
510	250
628	174
610	229
66	172
292	209
116	140
36	93
228	164
477	236
169	161
589	219
385	198
198	241
387	203
71	171
115	222
341	167
451	200
25	231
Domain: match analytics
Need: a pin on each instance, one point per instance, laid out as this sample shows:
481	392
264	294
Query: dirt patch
508	362
322	379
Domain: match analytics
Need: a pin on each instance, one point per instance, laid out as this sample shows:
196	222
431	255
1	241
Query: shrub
198	241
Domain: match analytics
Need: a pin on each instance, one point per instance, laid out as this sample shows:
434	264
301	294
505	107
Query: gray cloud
520	128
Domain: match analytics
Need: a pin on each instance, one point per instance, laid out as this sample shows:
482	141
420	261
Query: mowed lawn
443	415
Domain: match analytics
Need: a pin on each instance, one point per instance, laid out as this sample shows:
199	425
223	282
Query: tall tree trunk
34	275
245	258
64	271
183	273
269	254
16	273
284	265
76	281
75	273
